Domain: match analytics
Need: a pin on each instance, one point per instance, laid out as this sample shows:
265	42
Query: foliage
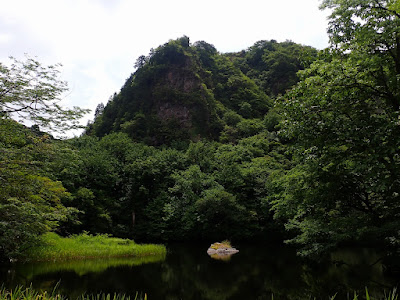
184	92
206	190
166	99
273	66
343	120
200	145
32	91
181	97
30	202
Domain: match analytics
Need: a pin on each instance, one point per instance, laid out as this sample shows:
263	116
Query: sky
98	41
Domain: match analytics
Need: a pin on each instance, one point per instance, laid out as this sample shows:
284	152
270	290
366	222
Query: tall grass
30	294
54	247
21	293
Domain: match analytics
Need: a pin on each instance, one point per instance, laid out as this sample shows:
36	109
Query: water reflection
256	272
223	257
83	266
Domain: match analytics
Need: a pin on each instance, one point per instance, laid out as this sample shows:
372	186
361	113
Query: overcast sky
98	41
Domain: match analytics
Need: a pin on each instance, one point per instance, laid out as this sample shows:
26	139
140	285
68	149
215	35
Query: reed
53	247
392	295
29	293
112	297
20	292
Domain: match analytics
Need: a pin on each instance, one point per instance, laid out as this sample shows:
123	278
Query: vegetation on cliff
184	92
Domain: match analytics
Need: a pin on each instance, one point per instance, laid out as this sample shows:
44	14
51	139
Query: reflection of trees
256	272
347	271
263	272
200	277
253	272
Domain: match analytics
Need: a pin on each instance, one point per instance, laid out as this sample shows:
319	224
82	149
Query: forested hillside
275	142
182	92
216	127
218	147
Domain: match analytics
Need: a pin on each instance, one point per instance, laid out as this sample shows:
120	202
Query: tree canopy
31	92
32	201
343	119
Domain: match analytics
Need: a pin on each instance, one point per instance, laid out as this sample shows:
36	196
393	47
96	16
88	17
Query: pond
187	272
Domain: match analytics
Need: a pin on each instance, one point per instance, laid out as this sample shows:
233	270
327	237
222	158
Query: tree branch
379	6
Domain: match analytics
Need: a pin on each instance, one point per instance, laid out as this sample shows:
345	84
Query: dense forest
279	142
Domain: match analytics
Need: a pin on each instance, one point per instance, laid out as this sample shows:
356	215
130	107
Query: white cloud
5	38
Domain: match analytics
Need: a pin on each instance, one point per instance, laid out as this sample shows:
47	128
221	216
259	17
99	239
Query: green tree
31	200
218	215
31	203
31	91
149	175
343	118
273	66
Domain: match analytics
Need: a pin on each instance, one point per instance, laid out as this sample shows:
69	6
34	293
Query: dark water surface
187	272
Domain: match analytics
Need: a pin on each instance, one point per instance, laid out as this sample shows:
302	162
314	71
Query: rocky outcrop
180	113
222	251
218	250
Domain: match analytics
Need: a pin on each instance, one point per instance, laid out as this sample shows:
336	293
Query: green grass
53	247
21	293
26	293
390	296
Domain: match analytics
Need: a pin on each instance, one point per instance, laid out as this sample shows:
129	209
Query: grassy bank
54	247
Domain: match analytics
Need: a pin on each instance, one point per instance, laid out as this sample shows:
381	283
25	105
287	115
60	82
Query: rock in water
221	249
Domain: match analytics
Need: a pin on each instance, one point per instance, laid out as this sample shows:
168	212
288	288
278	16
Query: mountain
183	91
